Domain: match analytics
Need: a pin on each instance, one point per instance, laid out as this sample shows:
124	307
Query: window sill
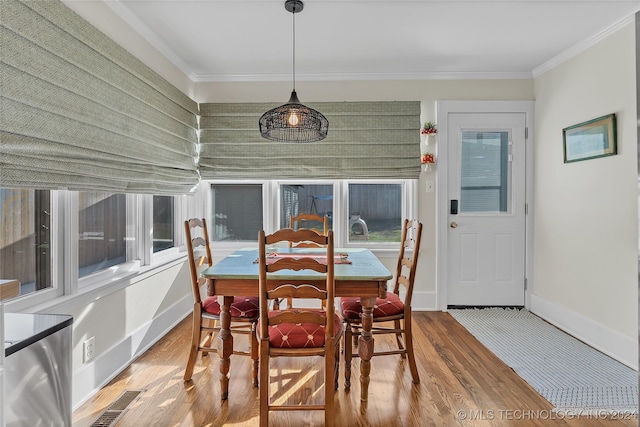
95	291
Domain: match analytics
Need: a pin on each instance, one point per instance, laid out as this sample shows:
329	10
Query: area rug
571	375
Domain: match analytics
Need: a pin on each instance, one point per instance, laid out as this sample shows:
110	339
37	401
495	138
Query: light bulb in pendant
293	119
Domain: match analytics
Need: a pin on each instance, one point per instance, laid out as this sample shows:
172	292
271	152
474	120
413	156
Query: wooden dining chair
298	332
395	308
303	220
244	311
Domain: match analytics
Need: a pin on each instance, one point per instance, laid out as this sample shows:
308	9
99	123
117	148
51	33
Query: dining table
358	273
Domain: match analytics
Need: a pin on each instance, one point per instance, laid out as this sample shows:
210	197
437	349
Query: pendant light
293	121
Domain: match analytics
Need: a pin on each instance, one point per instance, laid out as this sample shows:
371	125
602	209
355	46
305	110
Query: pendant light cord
294	48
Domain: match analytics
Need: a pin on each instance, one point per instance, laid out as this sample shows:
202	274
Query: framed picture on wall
591	139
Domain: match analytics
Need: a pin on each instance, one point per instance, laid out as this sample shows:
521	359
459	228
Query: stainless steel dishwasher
37	370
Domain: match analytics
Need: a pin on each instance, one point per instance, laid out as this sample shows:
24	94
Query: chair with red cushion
394	308
297	332
244	311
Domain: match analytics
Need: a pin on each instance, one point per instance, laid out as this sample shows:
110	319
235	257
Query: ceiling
252	40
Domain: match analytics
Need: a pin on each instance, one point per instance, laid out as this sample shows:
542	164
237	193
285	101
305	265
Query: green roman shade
365	140
80	112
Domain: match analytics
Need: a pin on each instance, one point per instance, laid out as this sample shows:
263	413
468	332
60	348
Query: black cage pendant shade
293	121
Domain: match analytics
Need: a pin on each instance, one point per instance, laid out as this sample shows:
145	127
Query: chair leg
208	339
254	353
195	342
329	377
355	335
264	383
336	369
401	345
348	354
408	337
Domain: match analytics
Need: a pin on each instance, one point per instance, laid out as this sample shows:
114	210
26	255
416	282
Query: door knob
453	224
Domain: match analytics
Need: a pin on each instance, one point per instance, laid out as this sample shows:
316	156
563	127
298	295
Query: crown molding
145	32
440	75
582	46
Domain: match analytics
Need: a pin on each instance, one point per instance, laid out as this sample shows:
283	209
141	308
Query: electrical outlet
89	349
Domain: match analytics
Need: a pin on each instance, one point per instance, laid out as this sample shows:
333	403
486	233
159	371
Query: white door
486	212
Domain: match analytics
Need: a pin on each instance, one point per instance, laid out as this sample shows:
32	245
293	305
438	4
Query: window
361	212
25	244
375	213
101	231
484	172
305	198
237	212
65	242
163	229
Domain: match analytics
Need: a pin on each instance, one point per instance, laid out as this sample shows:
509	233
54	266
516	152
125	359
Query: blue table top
242	265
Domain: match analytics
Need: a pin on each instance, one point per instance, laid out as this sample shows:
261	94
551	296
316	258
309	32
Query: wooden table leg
225	346
365	346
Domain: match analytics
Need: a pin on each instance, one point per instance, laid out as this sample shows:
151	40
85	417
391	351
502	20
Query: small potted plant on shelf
427	159
429	128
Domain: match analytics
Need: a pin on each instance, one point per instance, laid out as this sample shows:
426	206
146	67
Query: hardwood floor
462	384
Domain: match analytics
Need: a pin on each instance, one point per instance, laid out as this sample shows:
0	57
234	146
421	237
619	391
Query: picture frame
590	139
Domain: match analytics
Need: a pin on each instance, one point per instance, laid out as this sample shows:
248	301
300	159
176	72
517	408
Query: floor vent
117	408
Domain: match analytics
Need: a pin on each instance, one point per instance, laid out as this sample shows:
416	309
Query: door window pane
375	212
162	223
309	198
25	240
101	231
237	212
484	172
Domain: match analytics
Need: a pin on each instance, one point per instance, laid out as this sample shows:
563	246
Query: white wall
125	321
428	92
585	214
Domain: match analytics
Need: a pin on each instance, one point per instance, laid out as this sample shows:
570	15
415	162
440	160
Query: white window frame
67	289
271	192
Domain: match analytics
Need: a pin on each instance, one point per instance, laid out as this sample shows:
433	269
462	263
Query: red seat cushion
352	308
299	335
245	307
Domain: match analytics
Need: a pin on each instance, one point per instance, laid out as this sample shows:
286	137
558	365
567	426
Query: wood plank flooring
462	384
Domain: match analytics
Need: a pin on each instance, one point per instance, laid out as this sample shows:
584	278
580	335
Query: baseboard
424	301
91	377
609	341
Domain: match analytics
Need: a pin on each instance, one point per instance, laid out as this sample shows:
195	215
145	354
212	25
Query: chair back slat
408	259
297	264
304	218
197	240
297	291
295	236
295	221
297	316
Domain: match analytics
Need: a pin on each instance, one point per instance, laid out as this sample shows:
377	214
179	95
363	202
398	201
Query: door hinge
526	208
525	283
526	133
